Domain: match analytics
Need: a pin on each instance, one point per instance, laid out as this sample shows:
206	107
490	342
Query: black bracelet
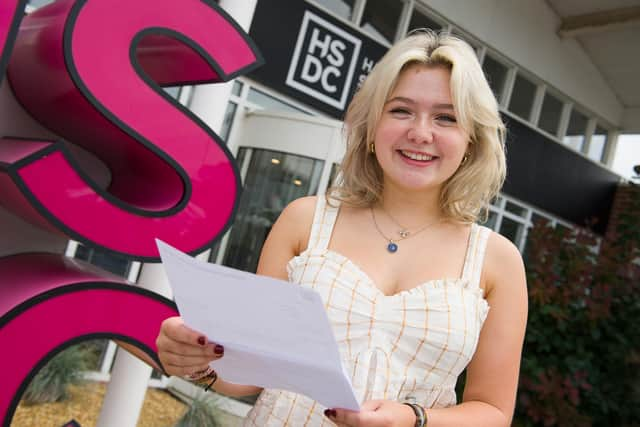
421	415
213	380
206	378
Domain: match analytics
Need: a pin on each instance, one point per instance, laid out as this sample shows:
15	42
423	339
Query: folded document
275	334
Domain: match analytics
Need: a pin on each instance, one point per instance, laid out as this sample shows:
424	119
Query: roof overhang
609	32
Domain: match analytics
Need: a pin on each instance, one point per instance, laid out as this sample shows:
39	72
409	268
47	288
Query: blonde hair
465	196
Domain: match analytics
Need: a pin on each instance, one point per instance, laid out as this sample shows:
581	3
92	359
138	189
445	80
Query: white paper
275	334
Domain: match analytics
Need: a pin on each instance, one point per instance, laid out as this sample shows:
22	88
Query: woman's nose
421	131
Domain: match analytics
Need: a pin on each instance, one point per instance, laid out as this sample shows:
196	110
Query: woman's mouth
421	157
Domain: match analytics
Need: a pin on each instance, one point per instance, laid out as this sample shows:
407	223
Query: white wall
525	32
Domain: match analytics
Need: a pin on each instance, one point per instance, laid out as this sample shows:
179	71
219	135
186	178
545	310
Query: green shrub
581	360
51	382
202	412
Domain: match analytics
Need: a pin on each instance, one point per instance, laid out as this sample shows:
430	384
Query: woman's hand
374	413
183	351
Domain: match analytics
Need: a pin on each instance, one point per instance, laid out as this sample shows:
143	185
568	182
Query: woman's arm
183	351
492	375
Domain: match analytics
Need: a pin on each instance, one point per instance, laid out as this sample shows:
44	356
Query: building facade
283	121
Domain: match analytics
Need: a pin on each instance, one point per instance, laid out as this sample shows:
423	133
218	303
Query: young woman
415	290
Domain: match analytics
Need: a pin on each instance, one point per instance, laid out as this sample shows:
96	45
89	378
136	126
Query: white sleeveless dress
410	346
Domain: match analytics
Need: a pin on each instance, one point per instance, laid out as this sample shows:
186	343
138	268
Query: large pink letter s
10	15
92	71
54	302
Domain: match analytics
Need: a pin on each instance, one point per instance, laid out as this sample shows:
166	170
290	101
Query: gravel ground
160	409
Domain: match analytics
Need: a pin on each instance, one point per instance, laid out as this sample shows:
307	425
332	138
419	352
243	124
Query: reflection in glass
381	18
173	91
236	89
597	144
269	102
334	174
342	8
524	92
227	122
38	3
576	130
496	73
268	187
550	114
112	262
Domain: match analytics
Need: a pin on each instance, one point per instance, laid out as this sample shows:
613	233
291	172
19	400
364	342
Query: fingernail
202	340
218	349
330	413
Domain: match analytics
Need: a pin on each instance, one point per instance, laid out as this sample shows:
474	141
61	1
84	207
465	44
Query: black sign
311	55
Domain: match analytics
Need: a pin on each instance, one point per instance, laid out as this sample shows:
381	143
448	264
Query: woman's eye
400	111
447	118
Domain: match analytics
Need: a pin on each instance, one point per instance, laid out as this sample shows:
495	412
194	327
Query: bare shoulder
287	238
302	207
296	219
503	265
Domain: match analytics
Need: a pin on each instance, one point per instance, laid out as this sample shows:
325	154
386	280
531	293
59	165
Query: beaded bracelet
421	415
204	378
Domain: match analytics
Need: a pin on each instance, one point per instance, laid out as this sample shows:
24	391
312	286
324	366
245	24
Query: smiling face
418	142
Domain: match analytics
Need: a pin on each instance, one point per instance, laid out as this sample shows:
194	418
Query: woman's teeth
416	156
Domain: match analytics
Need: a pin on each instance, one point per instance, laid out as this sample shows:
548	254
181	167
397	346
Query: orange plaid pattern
411	346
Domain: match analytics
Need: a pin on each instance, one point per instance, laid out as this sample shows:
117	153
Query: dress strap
475	254
324	219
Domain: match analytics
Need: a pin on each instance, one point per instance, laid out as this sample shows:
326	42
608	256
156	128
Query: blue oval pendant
392	247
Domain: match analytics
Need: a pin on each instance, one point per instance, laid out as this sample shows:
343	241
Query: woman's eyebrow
443	106
411	101
401	99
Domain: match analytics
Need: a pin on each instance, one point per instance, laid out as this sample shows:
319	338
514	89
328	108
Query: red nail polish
202	340
218	349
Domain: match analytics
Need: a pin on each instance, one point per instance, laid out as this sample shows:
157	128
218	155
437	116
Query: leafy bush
51	382
202	412
581	361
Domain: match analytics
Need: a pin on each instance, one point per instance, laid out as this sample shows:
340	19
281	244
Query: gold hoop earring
372	148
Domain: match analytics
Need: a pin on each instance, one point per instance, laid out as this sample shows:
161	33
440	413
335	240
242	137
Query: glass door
272	179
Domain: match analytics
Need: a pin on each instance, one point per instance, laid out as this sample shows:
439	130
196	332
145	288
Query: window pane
334	175
516	209
269	102
116	264
227	122
93	352
38	3
496	73
420	20
173	91
343	8
381	17
598	142
539	220
236	89
491	221
576	130
512	230
522	97
550	114
273	180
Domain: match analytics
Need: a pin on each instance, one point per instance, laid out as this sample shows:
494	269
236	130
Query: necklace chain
404	232
392	245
